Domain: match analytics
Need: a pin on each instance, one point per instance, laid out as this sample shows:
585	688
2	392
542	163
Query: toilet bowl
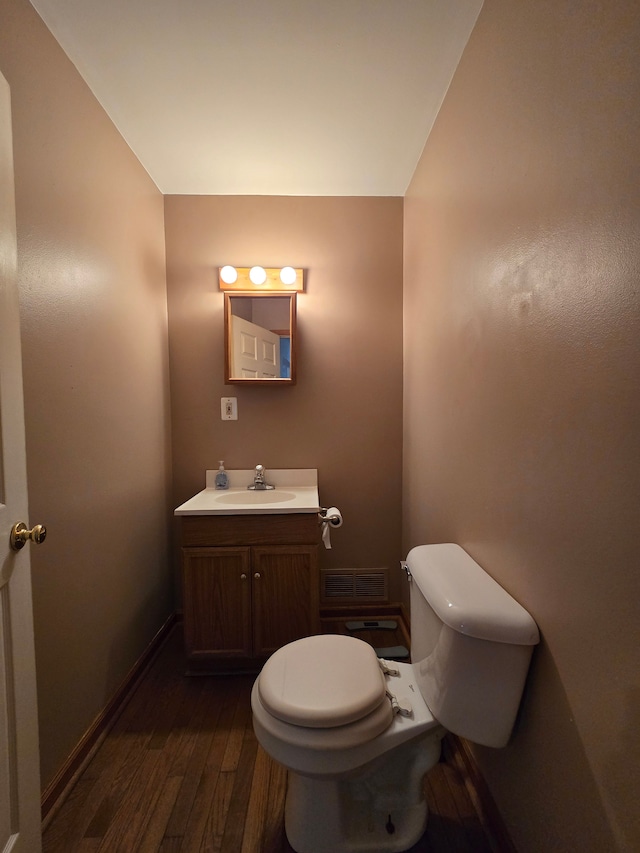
358	734
324	707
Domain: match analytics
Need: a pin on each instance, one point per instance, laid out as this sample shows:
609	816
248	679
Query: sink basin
296	490
253	498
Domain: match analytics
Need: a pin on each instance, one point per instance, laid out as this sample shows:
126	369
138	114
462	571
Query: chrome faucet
259	483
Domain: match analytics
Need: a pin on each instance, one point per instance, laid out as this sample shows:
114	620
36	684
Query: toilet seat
316	740
323	682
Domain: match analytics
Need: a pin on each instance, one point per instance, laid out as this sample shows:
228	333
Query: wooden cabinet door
217	602
285	595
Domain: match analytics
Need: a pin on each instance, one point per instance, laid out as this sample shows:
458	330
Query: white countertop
296	491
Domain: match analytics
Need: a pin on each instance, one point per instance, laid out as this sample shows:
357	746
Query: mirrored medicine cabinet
260	338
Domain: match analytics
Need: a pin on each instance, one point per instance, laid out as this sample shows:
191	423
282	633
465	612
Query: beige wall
522	403
343	416
93	302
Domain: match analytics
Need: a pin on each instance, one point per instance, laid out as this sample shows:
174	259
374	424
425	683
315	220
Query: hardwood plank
216	819
147	808
166	715
114	787
241	718
170	845
204	723
234	825
257	808
213	767
98	787
87	845
152	838
197	711
132	816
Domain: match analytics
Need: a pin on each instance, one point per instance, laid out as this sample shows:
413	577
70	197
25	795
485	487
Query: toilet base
380	810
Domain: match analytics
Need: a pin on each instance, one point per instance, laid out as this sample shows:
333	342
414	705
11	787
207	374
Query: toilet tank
471	644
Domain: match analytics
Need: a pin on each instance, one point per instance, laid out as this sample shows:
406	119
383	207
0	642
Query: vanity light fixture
261	278
288	275
228	275
258	275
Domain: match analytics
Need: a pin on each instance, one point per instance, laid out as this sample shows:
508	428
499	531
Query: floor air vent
347	585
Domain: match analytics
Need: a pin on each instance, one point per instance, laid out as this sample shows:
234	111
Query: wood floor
181	770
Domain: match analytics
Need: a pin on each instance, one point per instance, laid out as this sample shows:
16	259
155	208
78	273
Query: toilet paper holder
330	518
335	519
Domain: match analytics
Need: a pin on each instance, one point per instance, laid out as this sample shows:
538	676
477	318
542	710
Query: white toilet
357	735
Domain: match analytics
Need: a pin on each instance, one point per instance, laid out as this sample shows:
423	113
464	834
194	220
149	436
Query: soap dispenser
222	478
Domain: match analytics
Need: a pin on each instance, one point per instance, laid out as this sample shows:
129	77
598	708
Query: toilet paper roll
331	518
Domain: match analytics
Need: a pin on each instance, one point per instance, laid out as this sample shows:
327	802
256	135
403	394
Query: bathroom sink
296	490
244	497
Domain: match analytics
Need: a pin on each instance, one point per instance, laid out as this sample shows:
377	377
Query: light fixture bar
277	278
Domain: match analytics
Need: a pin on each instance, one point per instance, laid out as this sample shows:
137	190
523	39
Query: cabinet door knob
257	575
243	577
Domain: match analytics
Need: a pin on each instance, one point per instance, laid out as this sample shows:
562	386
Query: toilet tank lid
466	598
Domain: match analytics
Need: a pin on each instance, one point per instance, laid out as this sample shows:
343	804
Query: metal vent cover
354	585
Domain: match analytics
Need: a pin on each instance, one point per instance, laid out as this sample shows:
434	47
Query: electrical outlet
229	408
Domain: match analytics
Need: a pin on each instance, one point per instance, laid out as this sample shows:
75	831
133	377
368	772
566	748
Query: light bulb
229	274
288	275
257	275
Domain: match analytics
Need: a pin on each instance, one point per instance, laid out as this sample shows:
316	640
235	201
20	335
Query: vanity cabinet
250	585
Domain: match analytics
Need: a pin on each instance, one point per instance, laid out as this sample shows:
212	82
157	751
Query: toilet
357	734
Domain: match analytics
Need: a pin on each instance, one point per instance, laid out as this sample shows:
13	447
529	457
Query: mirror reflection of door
260	337
255	350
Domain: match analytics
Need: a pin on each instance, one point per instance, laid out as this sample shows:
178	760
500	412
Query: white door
256	351
19	761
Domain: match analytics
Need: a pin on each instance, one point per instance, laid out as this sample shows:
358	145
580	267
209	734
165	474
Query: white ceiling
268	97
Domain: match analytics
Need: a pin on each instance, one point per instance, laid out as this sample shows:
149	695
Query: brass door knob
20	535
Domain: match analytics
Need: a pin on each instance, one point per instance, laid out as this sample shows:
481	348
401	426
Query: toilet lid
322	681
